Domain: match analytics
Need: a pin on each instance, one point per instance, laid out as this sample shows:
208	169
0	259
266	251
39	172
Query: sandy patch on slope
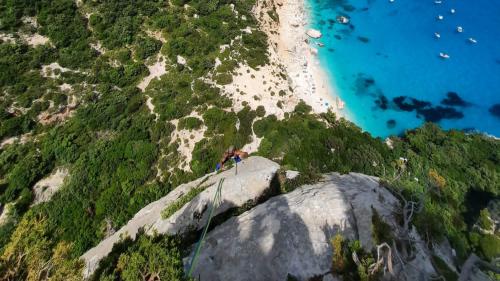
187	140
45	188
156	70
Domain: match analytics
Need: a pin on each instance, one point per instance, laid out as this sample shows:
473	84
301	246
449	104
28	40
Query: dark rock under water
410	104
391	123
453	99
495	110
426	110
363	39
438	113
382	102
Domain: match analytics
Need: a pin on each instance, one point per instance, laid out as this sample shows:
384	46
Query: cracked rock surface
290	234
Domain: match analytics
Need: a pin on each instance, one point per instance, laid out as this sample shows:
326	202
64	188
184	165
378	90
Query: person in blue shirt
231	152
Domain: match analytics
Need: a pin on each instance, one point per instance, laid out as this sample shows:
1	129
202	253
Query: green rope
215	203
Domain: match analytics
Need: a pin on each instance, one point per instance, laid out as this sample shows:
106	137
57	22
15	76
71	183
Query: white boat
313	33
391	1
444	55
460	29
438	2
342	20
452	11
472	40
437	35
440	17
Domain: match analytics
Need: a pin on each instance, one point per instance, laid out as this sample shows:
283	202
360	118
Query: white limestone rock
252	181
291	174
45	188
181	60
289	234
5	212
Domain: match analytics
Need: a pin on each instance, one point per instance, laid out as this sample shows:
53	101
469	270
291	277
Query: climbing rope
215	203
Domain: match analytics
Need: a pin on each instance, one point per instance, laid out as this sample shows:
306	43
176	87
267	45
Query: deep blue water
385	63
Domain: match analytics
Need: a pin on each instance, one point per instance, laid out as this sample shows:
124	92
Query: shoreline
309	80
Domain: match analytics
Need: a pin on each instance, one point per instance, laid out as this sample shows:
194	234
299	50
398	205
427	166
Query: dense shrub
261	111
302	142
490	246
118	22
146	47
224	78
152	257
190	123
219	121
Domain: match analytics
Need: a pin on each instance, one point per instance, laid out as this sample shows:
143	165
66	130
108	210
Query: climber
231	152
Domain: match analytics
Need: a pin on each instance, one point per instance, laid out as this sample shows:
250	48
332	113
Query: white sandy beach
309	81
289	54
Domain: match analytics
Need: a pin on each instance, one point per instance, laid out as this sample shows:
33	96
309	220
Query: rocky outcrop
48	186
243	185
313	33
280	236
290	234
252	181
5	211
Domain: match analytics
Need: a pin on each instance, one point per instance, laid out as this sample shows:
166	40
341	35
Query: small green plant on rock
338	261
381	231
485	221
177	205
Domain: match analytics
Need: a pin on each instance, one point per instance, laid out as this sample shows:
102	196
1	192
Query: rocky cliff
278	236
243	184
289	235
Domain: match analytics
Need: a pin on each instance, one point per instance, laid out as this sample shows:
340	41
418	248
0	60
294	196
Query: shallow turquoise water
386	65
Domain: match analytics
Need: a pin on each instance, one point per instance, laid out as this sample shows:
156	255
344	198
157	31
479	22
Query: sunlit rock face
290	234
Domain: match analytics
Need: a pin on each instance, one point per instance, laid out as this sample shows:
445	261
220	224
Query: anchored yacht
444	55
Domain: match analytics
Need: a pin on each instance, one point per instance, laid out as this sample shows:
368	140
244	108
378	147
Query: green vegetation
224	78
305	177
442	167
490	246
447	165
443	269
303	142
148	258
29	252
110	142
222	132
339	255
381	231
261	111
189	123
120	157
117	23
485	221
175	206
342	262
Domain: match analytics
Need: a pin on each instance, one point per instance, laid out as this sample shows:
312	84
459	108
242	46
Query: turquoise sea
386	66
